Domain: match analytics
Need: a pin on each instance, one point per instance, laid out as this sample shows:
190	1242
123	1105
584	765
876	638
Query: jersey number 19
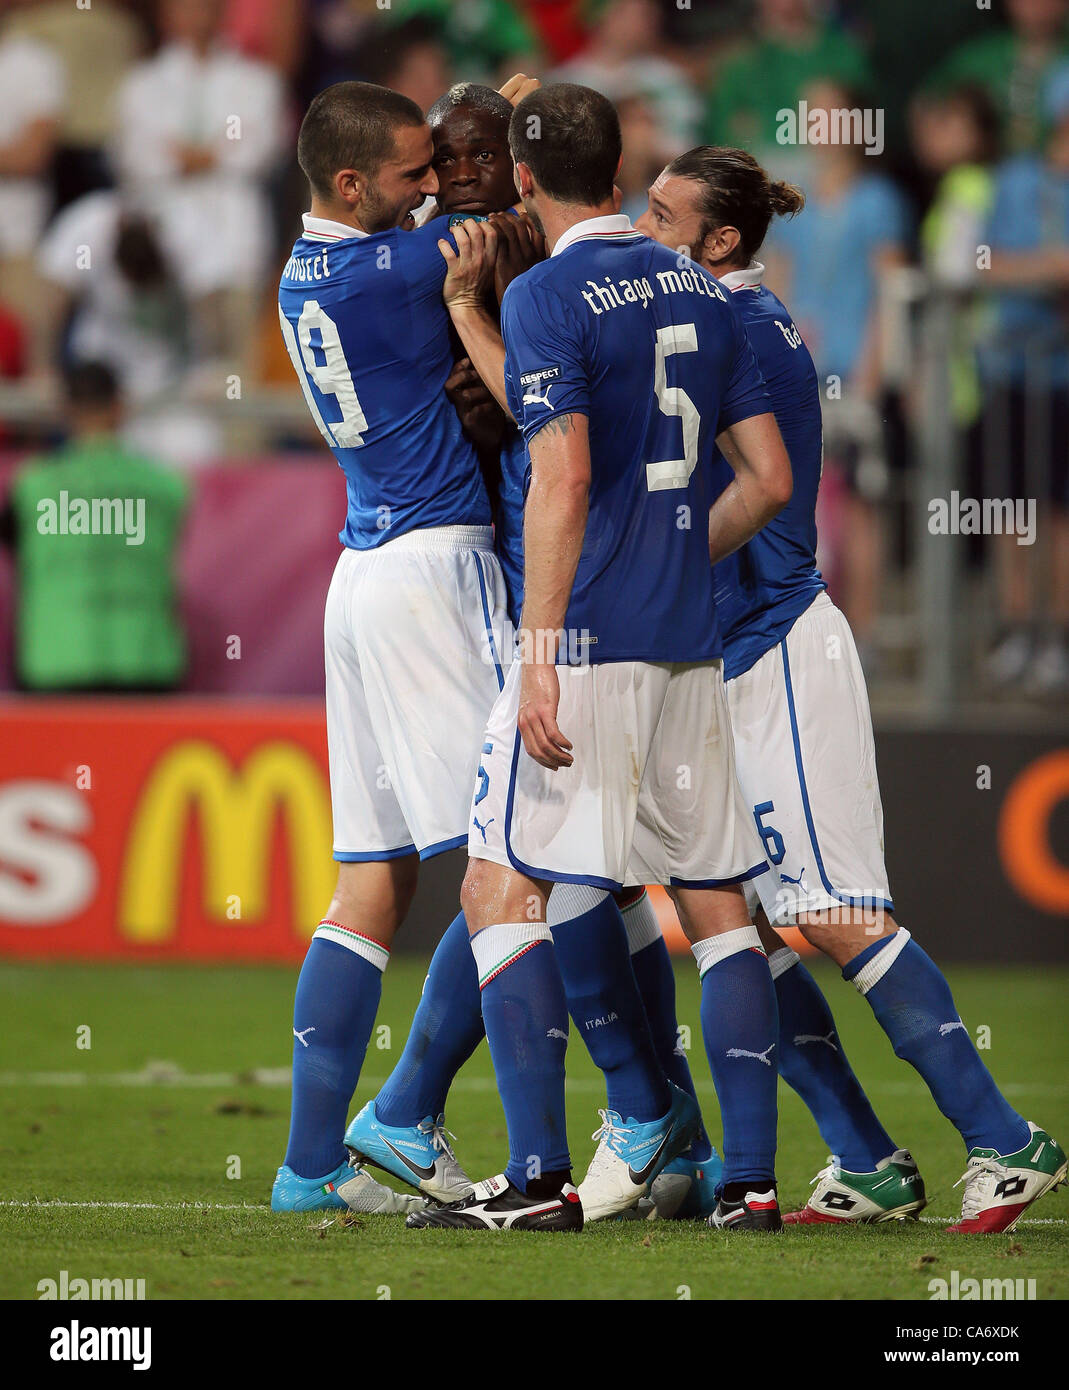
330	377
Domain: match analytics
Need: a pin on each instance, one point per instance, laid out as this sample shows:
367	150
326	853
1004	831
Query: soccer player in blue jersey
474	167
807	763
415	598
623	366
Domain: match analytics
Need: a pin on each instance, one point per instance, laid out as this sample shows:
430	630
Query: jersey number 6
673	400
330	377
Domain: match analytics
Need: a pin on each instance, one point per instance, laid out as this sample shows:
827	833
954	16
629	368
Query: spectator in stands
275	33
644	155
955	137
95	531
1024	430
624	59
827	264
96	45
200	128
32	100
409	57
117	299
560	26
1016	65
790	49
485	40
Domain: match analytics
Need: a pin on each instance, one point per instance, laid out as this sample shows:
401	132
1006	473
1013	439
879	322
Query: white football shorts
806	760
412	671
651	797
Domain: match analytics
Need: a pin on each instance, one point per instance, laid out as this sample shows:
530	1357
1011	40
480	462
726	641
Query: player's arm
761	487
554	524
468	278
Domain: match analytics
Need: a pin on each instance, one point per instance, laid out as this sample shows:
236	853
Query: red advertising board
201	829
161	829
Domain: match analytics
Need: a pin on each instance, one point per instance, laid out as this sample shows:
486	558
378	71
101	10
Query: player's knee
770	938
376	894
842	940
473	893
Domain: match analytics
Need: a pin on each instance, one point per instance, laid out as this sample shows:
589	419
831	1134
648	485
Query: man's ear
720	245
349	187
524	180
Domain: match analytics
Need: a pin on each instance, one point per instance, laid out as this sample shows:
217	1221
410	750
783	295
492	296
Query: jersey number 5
330	377
673	400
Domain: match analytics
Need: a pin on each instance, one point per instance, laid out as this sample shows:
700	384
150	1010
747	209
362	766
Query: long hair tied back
737	192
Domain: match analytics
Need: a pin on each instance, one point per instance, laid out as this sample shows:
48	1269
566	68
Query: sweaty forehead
469	125
676	193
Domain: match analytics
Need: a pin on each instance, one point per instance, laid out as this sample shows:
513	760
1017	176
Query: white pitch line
1024	1221
139	1206
240	1206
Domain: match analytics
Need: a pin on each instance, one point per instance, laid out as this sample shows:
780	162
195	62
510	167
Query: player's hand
520	246
481	418
539	699
519	86
464	386
471	265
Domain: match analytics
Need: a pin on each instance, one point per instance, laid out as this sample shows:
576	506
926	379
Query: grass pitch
150	1154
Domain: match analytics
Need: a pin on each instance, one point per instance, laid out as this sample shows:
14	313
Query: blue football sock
913	1005
656	979
446	1030
338	994
526	1021
813	1063
740	1028
603	999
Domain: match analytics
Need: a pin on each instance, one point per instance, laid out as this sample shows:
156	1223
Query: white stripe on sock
567	901
873	971
497	946
717	948
643	928
373	951
781	960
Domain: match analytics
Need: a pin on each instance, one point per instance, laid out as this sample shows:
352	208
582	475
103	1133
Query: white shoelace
974	1179
439	1136
833	1169
612	1136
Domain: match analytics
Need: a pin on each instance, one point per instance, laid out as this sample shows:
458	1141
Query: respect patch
546	374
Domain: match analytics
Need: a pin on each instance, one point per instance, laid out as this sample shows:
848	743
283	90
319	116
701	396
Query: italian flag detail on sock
504	964
355	941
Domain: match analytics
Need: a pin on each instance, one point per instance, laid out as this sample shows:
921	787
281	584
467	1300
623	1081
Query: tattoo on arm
560	424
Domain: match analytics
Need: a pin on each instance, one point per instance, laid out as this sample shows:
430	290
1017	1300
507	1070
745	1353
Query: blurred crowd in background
149	196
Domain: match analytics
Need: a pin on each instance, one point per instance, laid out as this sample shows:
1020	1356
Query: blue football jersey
764	587
508	520
368	334
651	350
